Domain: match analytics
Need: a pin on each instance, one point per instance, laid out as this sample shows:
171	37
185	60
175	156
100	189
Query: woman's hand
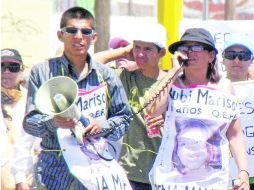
178	58
242	182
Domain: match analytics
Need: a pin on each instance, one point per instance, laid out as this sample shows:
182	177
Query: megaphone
58	97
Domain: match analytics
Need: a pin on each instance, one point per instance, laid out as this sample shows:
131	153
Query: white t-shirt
3	141
194	153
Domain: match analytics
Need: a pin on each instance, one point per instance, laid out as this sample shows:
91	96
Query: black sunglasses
13	67
73	31
242	56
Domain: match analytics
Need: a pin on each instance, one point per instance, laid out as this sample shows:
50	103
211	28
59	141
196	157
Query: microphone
183	62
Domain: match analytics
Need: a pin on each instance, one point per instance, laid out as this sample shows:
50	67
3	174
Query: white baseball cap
238	40
154	33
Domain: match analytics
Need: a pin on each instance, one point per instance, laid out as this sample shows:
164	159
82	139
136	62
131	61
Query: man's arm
119	112
35	123
112	54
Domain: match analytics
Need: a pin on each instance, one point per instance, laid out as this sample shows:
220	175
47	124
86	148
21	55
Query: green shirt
138	150
251	180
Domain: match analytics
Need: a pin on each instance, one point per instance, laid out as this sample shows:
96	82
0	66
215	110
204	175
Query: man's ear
162	52
60	35
94	38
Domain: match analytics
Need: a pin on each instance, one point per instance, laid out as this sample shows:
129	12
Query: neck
196	77
78	63
237	78
151	73
195	81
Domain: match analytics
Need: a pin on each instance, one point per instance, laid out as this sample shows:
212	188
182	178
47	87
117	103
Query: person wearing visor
194	90
13	103
238	60
238	57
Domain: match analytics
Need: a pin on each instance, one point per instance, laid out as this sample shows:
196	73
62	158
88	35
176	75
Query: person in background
77	32
13	94
190	91
4	151
138	149
238	57
13	101
238	60
126	60
119	55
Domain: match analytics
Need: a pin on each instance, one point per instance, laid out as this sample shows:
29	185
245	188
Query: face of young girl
192	149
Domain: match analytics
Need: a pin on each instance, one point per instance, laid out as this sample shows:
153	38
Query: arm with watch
236	142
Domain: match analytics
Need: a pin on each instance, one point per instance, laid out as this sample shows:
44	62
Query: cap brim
238	44
117	42
173	47
10	61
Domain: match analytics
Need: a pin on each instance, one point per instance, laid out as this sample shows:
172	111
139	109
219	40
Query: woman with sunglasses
238	57
13	103
238	60
194	90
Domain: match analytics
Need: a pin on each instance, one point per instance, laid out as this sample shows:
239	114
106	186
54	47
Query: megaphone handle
85	122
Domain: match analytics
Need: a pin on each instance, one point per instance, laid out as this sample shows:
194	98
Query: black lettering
250	151
85	105
202	95
98	99
104	184
249	131
173	94
103	97
250	106
116	181
216	113
79	103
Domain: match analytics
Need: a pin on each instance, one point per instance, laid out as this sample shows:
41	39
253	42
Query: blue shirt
51	167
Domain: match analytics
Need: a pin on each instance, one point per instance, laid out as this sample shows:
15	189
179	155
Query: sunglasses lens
14	68
74	31
71	30
86	31
196	48
245	56
183	48
242	56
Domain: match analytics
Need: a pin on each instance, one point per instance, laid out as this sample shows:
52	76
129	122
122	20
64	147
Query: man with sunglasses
77	32
238	60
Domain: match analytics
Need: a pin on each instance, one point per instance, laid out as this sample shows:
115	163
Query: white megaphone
58	97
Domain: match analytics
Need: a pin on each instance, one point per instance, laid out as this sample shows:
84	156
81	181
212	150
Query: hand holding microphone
179	60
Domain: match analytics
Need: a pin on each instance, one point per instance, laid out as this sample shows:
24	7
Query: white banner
244	91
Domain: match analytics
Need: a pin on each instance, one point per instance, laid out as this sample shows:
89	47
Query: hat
154	33
194	35
11	55
117	42
240	40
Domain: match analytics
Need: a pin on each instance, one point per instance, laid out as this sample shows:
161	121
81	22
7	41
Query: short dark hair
76	13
